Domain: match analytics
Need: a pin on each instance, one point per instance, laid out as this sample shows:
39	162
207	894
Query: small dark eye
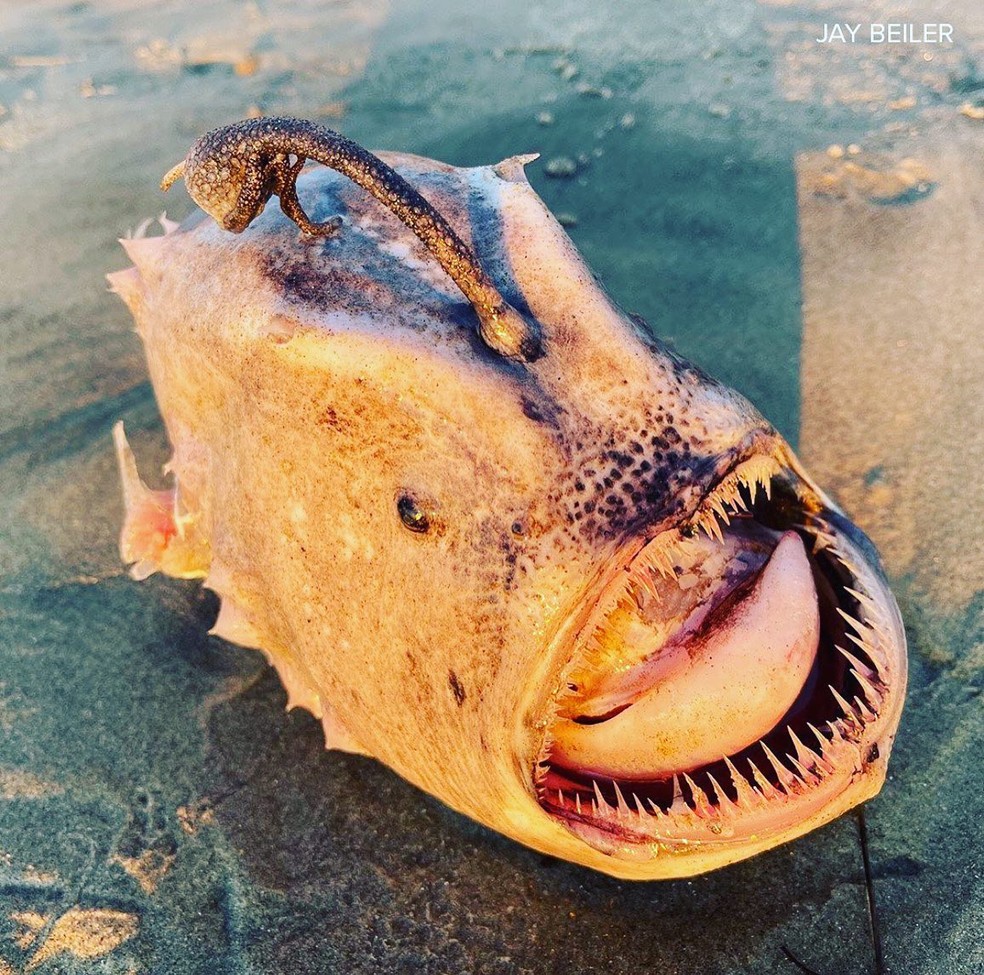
518	527
412	514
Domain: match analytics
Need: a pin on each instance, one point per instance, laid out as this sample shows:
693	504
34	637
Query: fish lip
848	771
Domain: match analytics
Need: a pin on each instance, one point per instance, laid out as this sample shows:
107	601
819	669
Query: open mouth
731	683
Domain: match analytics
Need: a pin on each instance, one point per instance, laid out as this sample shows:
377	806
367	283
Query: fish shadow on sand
408	881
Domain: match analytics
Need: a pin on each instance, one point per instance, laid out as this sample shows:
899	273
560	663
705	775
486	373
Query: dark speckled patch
457	688
373	266
351	273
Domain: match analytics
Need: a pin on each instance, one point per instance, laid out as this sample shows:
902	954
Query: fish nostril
412	514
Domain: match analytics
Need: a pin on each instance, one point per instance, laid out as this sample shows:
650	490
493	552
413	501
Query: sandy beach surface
804	220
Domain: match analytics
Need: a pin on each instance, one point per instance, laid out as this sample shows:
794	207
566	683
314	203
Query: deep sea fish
487	528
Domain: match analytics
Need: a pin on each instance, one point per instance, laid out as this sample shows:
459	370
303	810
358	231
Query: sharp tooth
717	506
807	756
871	692
882	637
855	624
725	806
862	641
858	666
868	647
847	562
865	600
647	581
713	529
805	760
766	788
852	724
679	805
666	565
842	701
819	735
602	809
825	763
836	735
702	805
577	802
806	776
640	809
866	713
825	766
747	796
820	542
786	778
661	564
560	797
623	806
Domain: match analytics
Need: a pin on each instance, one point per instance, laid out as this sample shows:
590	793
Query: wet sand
158	810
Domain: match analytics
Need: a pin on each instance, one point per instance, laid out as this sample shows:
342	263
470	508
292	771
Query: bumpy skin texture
316	393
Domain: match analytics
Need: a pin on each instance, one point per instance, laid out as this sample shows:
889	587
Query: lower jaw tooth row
812	767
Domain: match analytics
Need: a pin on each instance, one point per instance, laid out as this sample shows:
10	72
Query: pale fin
129	286
337	735
300	693
142	250
154	537
233	625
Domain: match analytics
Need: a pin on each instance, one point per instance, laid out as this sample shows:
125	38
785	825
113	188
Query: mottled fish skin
315	389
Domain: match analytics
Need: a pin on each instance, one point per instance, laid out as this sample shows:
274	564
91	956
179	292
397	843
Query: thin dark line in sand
791	957
876	941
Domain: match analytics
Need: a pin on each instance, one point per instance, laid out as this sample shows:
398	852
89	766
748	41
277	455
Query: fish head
591	600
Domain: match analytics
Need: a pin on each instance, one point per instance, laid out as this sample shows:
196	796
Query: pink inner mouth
720	682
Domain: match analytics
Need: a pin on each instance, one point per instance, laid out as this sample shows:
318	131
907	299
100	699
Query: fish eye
412	514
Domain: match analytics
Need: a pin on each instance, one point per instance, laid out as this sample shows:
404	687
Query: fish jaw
825	754
310	390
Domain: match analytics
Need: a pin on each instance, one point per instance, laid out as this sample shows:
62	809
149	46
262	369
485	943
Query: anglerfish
487	527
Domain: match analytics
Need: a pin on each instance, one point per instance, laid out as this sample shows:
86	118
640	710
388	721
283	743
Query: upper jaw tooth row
726	499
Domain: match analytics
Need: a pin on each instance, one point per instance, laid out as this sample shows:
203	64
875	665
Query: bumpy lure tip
172	176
